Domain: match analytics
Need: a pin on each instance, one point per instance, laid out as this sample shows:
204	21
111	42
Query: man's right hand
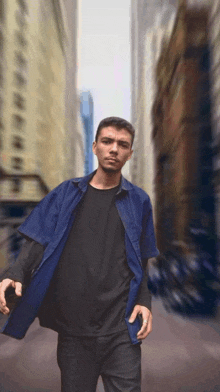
4	285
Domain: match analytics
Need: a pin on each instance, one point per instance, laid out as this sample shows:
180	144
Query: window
20	81
20	39
2	10
16	185
1	123
17	163
1	75
19	101
20	60
13	210
1	42
20	19
165	169
18	142
18	122
23	6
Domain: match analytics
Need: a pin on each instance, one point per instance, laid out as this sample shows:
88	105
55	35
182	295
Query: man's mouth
112	159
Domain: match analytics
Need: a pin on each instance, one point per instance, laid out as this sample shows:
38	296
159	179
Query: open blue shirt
49	224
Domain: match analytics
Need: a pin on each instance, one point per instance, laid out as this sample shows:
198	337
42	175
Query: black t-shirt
92	278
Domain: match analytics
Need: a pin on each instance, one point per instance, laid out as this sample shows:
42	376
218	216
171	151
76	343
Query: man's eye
106	141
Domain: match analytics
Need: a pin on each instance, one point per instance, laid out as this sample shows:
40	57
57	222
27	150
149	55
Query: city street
178	356
84	87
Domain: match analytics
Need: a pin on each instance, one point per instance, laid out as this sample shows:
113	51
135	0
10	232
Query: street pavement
180	355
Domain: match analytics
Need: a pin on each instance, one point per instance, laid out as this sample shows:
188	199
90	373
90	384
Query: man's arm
148	250
144	295
28	259
143	307
17	274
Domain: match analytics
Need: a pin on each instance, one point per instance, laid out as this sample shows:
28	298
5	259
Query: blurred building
87	114
74	146
150	22
38	127
182	133
214	35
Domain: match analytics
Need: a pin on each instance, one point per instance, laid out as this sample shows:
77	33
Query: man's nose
114	147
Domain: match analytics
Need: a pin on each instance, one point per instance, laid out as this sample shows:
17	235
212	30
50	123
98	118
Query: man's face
113	148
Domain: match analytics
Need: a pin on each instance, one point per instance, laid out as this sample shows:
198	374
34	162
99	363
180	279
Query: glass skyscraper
86	110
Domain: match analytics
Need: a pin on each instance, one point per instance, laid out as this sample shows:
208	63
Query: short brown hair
118	123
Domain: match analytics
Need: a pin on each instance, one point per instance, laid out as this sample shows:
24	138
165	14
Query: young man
87	246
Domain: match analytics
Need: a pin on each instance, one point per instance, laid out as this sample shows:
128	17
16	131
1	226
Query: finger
18	288
143	334
4	309
3	287
143	328
134	314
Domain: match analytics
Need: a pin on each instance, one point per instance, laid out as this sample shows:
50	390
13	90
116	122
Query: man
87	246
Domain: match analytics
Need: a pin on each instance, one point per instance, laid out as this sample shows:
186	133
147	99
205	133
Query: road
180	355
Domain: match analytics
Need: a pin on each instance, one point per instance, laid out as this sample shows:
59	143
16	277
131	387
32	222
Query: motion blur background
65	65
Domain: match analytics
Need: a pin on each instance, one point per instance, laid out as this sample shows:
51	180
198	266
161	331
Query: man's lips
112	159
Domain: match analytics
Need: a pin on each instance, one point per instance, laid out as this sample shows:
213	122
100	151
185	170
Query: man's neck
105	180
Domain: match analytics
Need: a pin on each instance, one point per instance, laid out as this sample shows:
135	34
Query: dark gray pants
83	359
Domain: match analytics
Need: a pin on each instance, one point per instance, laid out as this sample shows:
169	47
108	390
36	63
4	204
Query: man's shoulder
137	191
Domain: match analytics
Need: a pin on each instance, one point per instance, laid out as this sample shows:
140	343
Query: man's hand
4	285
146	323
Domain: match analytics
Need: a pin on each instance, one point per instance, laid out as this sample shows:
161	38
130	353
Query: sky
105	56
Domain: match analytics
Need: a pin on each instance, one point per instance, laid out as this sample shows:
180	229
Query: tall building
214	35
2	69
87	114
182	130
207	55
74	146
34	105
40	127
150	22
186	181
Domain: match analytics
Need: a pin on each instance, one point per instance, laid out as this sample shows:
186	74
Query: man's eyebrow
120	141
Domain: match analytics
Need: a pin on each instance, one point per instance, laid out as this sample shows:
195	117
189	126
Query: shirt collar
82	183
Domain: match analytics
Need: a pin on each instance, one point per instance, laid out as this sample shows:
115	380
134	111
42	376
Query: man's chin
110	169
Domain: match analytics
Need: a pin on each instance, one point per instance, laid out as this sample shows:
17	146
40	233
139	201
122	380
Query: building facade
37	125
150	22
182	132
74	146
214	29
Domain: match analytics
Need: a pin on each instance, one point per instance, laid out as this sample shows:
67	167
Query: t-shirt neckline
107	189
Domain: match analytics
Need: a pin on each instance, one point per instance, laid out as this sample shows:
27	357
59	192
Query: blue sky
105	56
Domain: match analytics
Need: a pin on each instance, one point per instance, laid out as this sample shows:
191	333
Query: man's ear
94	147
131	152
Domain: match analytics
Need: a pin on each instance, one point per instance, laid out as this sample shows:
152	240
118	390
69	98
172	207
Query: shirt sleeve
144	295
148	241
148	250
41	223
29	258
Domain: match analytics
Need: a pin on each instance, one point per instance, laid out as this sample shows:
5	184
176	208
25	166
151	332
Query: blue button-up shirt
49	224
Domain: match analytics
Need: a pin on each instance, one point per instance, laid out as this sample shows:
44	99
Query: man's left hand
146	320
